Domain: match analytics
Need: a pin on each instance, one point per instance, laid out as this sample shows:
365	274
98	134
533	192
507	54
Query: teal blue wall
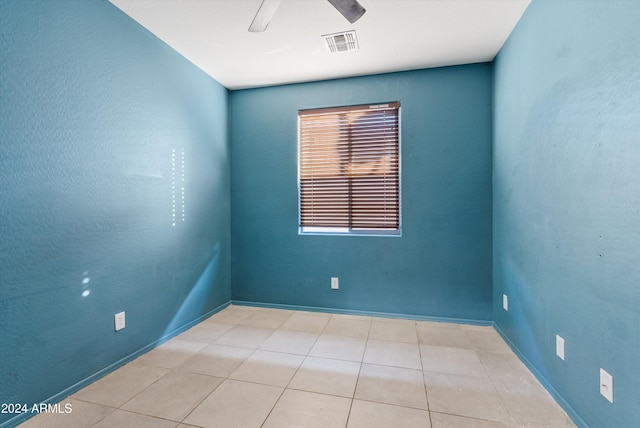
566	200
440	267
92	107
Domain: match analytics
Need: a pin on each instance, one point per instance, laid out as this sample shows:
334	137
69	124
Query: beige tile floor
257	367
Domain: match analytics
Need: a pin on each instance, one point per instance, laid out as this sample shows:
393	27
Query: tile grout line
289	382
504	405
424	384
182	421
355	387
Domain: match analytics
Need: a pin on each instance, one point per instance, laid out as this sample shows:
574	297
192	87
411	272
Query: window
348	170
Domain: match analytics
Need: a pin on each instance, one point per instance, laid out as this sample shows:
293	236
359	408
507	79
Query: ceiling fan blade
263	17
350	9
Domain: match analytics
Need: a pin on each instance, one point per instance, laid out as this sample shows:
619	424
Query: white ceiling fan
350	9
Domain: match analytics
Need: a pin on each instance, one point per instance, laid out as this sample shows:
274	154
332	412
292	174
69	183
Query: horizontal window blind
349	167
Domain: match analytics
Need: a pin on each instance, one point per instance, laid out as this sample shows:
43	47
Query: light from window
348	169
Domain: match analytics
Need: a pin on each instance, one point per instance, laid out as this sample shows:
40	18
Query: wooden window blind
349	168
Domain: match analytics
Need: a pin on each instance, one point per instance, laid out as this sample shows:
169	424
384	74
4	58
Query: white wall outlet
505	302
560	347
335	284
606	385
119	320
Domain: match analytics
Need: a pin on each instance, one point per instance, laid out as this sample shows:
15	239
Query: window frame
350	231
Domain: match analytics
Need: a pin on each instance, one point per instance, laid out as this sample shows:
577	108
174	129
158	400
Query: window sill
317	231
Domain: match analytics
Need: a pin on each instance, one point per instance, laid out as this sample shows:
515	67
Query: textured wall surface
567	200
440	267
97	115
92	108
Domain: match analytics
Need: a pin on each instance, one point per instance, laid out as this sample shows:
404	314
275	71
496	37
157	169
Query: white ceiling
394	35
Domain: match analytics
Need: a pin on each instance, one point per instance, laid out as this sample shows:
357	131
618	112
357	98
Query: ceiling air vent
341	42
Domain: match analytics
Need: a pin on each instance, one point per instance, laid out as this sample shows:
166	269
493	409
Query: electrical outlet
335	283
505	302
119	320
560	347
606	385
